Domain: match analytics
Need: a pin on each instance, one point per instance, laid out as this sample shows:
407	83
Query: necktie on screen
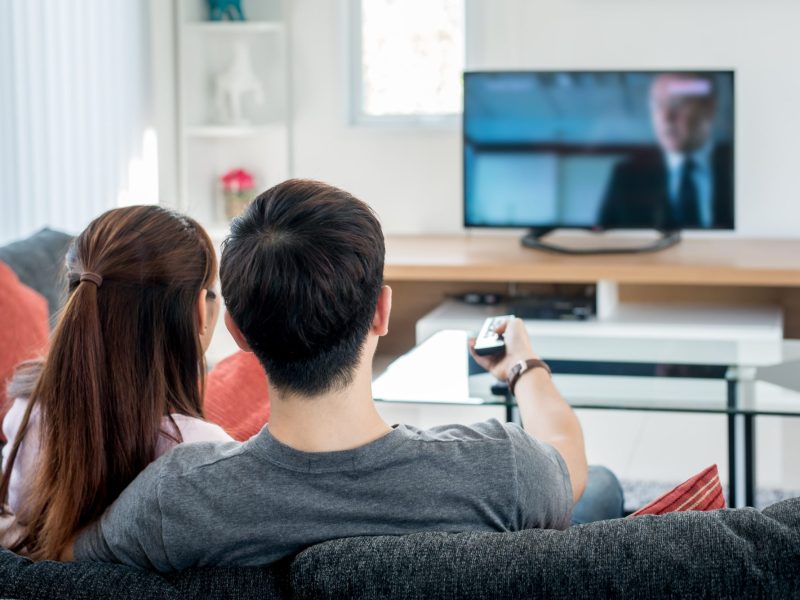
688	196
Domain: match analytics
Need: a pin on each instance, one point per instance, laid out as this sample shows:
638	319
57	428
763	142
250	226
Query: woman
123	378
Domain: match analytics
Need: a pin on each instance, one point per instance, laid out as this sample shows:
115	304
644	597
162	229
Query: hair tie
93	277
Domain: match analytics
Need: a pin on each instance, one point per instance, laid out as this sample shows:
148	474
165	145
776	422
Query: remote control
488	342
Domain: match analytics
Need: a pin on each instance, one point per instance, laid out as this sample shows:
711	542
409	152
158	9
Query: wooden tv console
425	269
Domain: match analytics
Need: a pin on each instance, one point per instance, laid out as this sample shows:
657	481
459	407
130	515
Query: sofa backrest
22	578
38	261
739	553
722	554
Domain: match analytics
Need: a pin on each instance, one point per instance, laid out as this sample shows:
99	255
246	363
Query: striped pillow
701	492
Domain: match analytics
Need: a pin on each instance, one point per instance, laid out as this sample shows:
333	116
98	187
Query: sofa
733	553
741	553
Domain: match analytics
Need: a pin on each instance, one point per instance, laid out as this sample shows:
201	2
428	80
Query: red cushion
701	492
237	395
24	328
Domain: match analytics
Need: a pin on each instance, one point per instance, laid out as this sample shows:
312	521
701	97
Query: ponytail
74	432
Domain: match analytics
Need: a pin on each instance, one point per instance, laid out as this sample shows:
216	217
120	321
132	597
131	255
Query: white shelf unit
751	334
207	147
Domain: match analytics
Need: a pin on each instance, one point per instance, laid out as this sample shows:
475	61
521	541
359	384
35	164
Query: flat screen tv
599	150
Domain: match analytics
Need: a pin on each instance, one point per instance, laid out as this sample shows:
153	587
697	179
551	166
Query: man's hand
518	347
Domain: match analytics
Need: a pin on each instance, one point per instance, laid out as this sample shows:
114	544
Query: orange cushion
237	395
701	492
25	328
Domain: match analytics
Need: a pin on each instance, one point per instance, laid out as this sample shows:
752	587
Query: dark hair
125	353
301	274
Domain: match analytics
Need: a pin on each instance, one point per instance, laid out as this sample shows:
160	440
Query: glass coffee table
636	374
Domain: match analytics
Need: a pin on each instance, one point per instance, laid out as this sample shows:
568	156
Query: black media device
489	342
599	150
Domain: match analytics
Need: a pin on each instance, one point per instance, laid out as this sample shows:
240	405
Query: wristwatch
524	366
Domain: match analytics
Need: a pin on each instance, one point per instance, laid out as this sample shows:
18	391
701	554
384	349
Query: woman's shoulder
192	429
187	429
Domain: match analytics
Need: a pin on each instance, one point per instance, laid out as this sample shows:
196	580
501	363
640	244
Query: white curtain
73	109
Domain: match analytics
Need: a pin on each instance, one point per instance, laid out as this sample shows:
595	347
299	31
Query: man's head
683	107
301	274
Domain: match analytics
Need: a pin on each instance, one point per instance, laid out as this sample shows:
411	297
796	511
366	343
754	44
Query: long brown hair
124	354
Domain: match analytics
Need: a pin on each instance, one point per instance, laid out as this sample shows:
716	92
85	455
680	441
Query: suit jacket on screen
638	192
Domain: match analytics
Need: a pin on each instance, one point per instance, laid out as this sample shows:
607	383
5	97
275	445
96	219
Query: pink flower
237	180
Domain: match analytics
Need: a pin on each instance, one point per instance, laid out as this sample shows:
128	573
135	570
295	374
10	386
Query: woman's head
126	351
153	258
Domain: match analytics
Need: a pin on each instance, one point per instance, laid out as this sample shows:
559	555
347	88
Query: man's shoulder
722	154
188	458
490	433
491	430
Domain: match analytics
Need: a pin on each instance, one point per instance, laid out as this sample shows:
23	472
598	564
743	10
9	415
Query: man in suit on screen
687	181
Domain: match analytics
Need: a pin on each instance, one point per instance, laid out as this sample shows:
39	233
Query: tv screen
599	150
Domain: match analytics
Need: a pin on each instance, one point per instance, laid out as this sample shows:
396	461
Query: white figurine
234	83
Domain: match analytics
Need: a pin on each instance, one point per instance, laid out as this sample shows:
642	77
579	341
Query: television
599	150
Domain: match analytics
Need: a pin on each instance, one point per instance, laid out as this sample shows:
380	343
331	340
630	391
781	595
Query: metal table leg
749	460
509	408
732	444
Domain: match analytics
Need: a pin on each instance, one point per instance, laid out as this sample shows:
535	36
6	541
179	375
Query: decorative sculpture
233	84
219	9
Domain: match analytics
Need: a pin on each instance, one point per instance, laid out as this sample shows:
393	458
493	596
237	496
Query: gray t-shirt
225	503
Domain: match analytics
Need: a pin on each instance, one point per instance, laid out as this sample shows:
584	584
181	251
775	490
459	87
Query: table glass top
719	376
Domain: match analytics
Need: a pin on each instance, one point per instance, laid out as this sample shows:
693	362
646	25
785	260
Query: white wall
412	177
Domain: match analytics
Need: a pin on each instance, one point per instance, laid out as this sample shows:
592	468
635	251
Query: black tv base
533	239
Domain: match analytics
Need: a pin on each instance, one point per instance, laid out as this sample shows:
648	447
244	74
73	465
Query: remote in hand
488	342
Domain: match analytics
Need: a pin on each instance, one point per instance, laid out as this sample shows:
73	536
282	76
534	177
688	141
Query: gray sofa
38	261
740	553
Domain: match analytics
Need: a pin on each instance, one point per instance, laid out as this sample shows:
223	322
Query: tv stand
533	239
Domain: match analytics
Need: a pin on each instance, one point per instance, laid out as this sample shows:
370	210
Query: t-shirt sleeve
129	532
544	489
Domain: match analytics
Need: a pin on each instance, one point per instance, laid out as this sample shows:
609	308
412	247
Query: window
408	58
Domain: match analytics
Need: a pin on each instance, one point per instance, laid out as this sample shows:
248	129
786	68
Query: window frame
355	78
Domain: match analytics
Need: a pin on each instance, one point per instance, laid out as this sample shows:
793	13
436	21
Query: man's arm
129	532
545	414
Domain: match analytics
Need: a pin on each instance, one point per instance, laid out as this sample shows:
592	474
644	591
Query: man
302	276
688	182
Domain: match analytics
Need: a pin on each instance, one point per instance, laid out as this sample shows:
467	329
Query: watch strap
522	367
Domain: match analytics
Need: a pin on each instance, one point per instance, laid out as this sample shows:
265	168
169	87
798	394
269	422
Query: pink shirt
190	429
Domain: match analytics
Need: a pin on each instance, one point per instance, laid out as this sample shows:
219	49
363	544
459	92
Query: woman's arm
25	462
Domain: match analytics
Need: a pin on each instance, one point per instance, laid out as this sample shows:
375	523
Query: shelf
235	26
499	258
709	326
209	146
231	131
